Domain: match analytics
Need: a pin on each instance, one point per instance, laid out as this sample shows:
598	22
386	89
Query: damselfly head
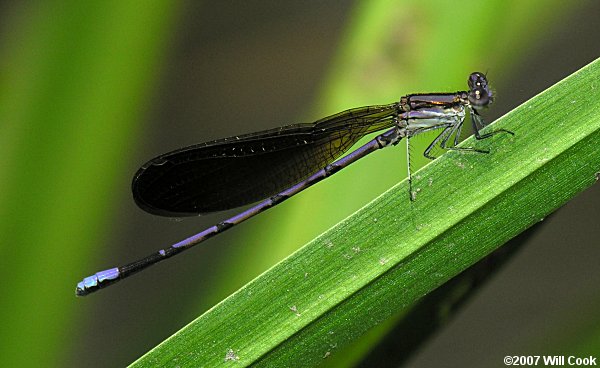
480	94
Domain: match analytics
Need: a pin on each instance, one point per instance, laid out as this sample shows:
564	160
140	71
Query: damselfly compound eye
480	94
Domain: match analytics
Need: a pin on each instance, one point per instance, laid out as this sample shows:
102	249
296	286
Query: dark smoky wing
236	171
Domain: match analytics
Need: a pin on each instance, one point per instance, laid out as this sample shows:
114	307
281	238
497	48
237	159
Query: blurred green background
91	90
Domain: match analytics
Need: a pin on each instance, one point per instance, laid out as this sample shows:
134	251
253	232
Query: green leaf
392	252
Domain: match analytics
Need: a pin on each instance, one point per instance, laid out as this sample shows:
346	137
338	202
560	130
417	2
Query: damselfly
278	163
